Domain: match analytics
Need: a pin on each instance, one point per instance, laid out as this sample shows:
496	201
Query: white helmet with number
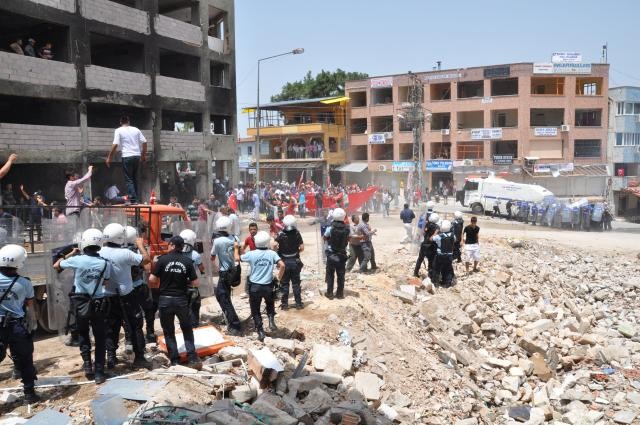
457	214
430	205
434	218
445	226
223	224
114	233
339	214
189	237
289	222
262	239
91	237
131	234
12	256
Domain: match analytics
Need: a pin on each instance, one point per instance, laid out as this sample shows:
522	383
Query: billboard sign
566	57
376	139
403	166
439	165
377	83
486	133
545	131
503	159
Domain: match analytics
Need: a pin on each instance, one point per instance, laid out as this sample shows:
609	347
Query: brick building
489	119
168	64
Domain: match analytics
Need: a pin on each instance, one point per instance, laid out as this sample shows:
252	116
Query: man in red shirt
249	242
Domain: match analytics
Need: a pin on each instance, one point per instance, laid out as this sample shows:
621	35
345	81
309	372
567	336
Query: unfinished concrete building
167	64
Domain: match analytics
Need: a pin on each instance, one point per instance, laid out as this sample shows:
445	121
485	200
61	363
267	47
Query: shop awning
291	165
335	100
355	167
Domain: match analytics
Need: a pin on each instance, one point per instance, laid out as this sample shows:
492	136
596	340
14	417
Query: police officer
261	285
427	250
124	309
444	240
141	289
337	237
16	294
225	249
456	227
189	237
534	213
289	246
174	273
91	273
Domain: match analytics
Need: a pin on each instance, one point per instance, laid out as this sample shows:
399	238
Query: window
628	108
553	86
358	99
589	86
587	148
358	126
470	89
504	87
441	91
627	139
588	117
470	150
302	118
249	150
327	117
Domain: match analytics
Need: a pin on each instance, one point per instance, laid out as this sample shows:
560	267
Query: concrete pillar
203	178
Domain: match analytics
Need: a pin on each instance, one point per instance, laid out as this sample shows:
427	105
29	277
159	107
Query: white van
480	194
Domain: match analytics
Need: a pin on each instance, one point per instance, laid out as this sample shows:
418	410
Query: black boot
30	396
87	367
272	323
100	376
261	335
151	337
111	360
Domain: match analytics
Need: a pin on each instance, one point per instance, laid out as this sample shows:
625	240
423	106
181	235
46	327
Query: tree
324	84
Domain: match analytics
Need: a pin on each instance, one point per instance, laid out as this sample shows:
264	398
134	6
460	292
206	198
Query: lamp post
296	51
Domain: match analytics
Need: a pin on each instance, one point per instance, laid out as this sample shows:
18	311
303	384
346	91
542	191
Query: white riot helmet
91	237
289	222
430	205
114	233
445	226
12	256
131	234
189	237
223	224
434	218
339	214
262	239
457	214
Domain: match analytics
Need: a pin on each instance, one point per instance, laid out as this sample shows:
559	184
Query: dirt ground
363	311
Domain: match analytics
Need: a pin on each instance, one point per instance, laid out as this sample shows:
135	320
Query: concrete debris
264	365
333	359
368	384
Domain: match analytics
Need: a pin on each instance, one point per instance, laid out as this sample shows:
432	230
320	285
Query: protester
46	52
7	165
368	252
407	216
29	49
471	244
355	250
73	190
36	211
130	140
112	194
16	47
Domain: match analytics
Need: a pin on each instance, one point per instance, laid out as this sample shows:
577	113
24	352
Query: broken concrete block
398	400
540	368
233	352
243	393
504	364
533	346
468	421
303	384
265	406
327	378
539	326
388	411
334	359
264	365
109	409
317	401
511	383
8	397
368	384
405	297
286	345
627	330
624	417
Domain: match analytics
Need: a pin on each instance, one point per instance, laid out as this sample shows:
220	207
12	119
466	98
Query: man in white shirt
129	139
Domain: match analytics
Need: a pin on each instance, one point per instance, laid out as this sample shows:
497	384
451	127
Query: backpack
339	236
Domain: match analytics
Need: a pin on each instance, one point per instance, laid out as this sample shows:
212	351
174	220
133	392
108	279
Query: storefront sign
503	159
497	72
243	164
440	165
403	166
449	76
545	131
572	68
543	68
486	133
487	99
381	82
549	168
566	57
463	163
376	139
252	170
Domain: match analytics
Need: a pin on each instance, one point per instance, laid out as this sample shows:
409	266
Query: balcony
179	141
109	79
215	44
183	31
100	139
26	137
25	69
313	128
66	5
117	14
179	89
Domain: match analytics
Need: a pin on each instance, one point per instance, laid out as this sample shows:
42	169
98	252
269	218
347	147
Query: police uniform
457	226
144	296
427	250
13	331
196	300
289	242
534	214
261	288
223	248
444	259
336	252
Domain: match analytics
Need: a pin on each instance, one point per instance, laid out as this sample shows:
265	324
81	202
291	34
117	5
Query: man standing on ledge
129	139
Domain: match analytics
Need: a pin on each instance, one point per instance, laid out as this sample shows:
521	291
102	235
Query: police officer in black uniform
427	248
456	227
445	241
16	293
289	246
337	237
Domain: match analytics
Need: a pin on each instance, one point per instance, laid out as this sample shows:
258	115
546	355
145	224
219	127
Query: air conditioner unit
565	128
445	131
382	167
388	135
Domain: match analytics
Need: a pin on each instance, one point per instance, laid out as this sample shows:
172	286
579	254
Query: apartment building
624	149
167	64
542	123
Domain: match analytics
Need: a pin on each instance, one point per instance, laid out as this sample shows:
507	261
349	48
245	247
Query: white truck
480	194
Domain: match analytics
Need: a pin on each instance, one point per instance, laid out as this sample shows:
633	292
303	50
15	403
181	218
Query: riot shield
203	247
11	230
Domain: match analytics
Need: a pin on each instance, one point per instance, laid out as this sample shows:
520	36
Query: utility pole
414	116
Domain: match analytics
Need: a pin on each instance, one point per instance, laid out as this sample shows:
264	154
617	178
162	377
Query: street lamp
296	51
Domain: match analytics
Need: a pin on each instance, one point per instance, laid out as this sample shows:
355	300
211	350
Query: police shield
202	247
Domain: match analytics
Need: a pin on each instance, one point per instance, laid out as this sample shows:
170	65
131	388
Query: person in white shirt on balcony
134	152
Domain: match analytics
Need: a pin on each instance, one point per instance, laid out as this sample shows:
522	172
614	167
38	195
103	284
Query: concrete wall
174	28
26	69
20	137
109	79
177	141
180	89
66	5
116	14
100	139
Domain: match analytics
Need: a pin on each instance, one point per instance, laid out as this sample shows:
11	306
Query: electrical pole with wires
414	115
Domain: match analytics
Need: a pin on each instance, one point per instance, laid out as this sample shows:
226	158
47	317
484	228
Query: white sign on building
545	131
486	133
448	76
572	68
543	68
376	139
381	82
566	57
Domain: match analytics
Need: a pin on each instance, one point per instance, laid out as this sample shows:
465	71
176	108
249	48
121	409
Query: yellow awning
335	100
248	110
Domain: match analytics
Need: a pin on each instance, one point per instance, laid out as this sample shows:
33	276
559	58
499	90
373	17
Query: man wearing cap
174	273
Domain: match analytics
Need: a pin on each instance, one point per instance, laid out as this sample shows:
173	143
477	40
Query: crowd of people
44	51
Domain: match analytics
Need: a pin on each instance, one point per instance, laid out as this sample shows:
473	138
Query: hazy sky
392	37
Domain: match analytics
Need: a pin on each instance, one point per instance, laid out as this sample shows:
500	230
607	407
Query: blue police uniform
261	261
222	249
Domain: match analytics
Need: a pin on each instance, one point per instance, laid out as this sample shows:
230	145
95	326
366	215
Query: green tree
324	84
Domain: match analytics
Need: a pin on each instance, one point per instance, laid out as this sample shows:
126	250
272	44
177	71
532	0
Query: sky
382	37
